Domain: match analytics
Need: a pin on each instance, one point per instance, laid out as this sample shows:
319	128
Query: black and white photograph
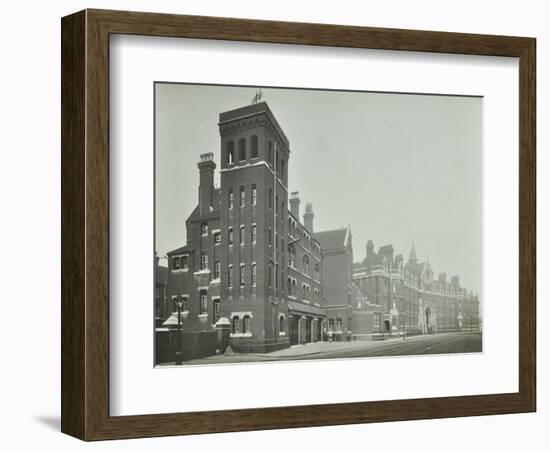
297	224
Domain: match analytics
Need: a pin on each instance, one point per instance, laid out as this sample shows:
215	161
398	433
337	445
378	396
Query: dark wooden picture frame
85	224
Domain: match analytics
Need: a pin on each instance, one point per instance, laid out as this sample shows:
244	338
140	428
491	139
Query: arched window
270	152
294	288
235	324
242	149
281	324
289	286
254	147
316	272
246	324
230	155
291	256
305	265
282	169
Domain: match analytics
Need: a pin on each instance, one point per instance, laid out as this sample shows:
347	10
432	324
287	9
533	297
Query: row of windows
240	326
180	262
242	234
243	326
306	290
279	206
242	275
338	324
203	305
305	263
230	155
242	196
308	243
242	153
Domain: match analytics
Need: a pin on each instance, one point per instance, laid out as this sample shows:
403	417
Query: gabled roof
184	249
332	239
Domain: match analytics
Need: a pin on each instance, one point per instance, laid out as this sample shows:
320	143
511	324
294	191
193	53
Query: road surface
464	342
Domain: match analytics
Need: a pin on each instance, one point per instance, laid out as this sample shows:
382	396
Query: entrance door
308	329
387	326
293	330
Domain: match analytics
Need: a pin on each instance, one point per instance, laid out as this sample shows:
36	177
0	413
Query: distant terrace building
409	299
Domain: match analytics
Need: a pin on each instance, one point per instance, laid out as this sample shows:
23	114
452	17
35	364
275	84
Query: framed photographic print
271	224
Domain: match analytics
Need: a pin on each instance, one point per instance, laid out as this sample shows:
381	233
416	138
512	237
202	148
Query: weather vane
258	97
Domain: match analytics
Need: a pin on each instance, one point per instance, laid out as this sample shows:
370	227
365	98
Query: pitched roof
184	249
332	239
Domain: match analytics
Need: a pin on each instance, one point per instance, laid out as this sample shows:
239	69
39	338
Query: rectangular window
241	275
277	204
204	229
217	266
270	199
175	262
230	198
269	236
184	262
242	235
338	323
203	302
253	233
254	274
216	311
230	236
204	261
246	324
270	275
254	195
217	237
230	276
276	276
242	197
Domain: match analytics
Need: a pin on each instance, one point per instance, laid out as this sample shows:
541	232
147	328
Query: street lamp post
179	352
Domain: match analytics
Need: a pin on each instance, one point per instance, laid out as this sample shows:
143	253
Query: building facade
249	261
407	299
251	265
338	282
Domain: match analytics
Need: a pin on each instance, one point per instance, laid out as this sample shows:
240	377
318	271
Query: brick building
406	298
162	305
248	260
338	288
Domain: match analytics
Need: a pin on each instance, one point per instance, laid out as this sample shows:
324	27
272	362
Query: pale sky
398	168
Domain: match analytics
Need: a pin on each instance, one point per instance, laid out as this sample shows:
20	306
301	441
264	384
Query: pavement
463	342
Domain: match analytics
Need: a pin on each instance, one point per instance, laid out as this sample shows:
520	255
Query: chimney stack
206	167
308	217
295	205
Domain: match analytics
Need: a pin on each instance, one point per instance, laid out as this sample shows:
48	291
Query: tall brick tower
253	220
